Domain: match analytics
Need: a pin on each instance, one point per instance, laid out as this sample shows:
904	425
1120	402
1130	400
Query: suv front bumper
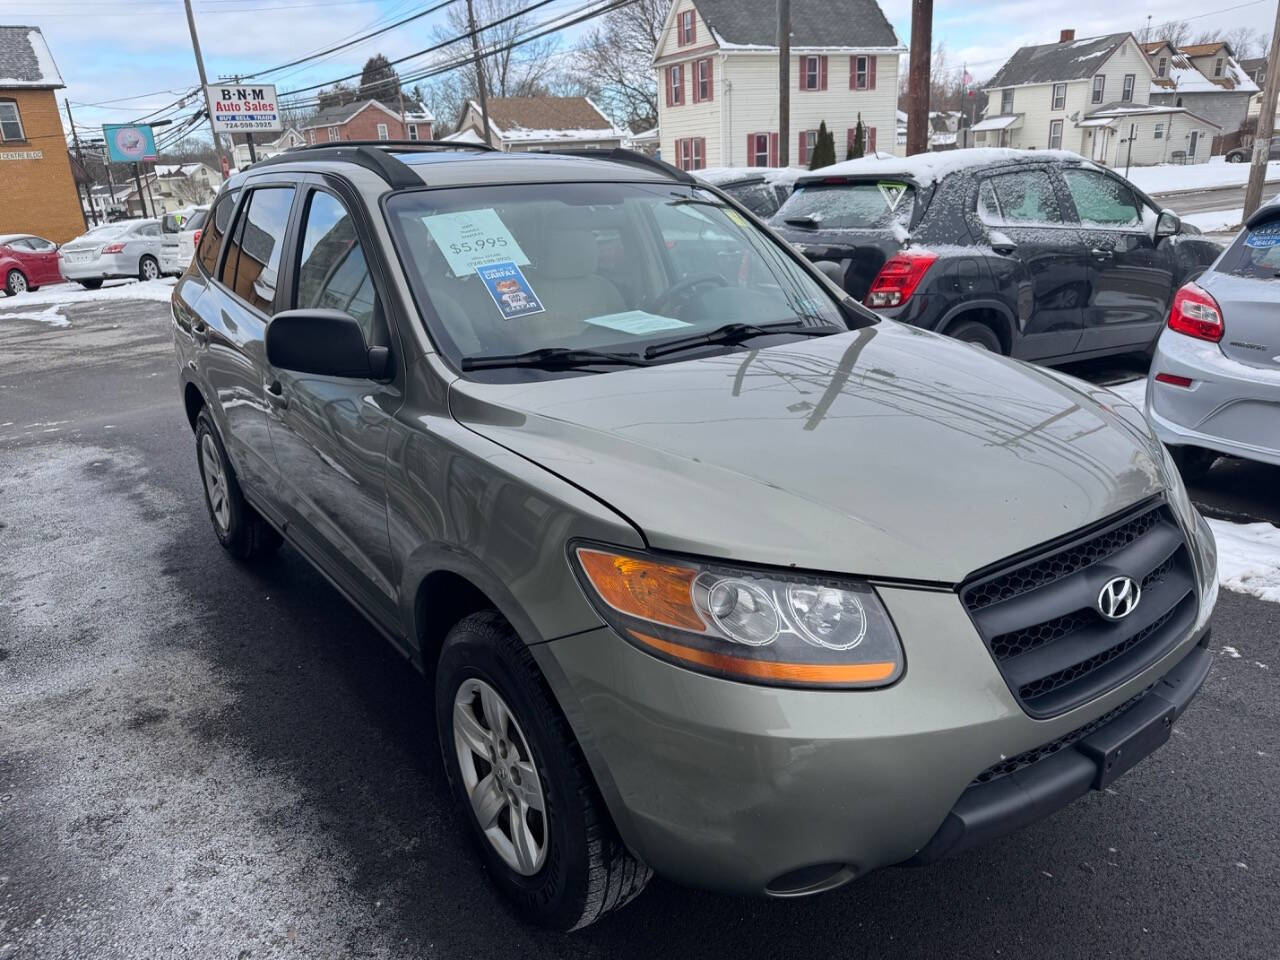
762	790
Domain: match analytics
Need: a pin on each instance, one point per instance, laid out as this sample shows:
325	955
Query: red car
26	262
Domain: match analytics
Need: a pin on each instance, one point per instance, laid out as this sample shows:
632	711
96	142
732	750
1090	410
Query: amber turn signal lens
842	674
658	592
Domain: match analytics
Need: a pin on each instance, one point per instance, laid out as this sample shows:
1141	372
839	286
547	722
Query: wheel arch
991	313
193	402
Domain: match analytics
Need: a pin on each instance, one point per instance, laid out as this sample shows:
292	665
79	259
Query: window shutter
822	68
871	73
693	87
711	79
1053	95
773	149
751	149
803	153
700	161
871	140
853	73
848	138
668	86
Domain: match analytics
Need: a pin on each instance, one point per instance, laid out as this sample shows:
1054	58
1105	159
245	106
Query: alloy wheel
17	283
149	270
215	482
500	776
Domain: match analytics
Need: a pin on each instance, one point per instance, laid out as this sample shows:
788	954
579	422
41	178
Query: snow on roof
720	175
548	119
1097	122
927	168
464	136
997	122
1182	76
25	60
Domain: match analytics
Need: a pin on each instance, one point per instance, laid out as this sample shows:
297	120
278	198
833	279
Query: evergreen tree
858	147
824	148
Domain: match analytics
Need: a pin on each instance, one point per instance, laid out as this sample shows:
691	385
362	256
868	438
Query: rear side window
870	205
332	271
1102	201
211	239
1255	254
759	198
1017	199
253	256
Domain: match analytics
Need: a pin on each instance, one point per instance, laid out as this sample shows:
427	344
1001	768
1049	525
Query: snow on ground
1135	391
1216	221
1249	558
1169	177
65	294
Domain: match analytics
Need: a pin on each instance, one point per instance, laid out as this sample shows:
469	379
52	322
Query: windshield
593	266
872	205
109	230
1255	253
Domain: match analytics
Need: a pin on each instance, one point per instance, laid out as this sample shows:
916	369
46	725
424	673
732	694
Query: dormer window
1217	67
1162	66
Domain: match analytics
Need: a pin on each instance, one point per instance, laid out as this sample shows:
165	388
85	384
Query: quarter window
332	271
211	238
253	257
1099	87
1100	200
1025	197
10	122
1059	96
1126	92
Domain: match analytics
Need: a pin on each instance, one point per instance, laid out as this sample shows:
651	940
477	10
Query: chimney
1067	36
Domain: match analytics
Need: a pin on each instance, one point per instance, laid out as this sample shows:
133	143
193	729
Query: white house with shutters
1092	96
717	66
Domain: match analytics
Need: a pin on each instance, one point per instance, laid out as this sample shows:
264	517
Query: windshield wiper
699	201
552	358
738	333
804	220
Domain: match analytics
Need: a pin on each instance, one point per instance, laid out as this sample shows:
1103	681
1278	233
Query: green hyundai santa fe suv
712	573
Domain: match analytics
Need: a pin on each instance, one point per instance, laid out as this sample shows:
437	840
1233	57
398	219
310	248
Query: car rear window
1255	254
869	205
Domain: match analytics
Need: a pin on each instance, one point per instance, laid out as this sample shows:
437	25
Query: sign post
246	108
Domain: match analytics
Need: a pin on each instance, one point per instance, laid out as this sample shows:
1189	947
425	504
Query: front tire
148	268
977	333
90	284
239	528
512	762
15	283
1193	462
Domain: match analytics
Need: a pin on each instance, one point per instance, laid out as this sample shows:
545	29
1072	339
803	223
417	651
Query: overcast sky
113	49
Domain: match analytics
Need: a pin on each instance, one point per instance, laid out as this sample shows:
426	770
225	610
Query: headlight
762	626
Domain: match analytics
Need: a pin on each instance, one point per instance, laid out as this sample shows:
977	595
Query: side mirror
329	343
1168	224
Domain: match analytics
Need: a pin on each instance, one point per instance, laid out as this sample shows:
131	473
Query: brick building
369	120
37	192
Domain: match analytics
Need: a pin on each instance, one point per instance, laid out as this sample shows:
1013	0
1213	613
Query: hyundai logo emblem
1119	598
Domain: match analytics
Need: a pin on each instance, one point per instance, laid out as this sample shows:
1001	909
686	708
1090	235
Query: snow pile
1168	177
51	315
160	291
1216	221
1249	558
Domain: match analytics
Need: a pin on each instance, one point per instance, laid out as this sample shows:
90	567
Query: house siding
670	43
1228	109
38	195
1148	150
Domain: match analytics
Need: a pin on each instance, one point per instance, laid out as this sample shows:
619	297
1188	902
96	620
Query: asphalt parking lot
204	760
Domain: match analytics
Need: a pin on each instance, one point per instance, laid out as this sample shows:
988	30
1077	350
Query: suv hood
887	452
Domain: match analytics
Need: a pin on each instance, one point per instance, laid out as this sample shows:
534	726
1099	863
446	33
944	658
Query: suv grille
1039	617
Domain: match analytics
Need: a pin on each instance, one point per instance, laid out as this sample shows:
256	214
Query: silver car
130	248
180	232
1214	385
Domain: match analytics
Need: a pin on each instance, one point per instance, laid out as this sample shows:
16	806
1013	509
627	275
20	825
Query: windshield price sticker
1267	235
473	238
637	322
510	290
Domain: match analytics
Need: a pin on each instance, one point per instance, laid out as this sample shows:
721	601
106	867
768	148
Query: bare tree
617	57
1176	32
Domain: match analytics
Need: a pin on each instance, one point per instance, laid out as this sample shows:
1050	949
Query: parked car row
713	570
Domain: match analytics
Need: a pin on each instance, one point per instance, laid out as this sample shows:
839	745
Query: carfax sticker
510	290
472	238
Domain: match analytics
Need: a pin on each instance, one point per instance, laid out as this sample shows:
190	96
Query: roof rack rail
372	155
622	155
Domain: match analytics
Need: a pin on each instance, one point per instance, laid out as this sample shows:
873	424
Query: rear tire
15	283
580	871
239	528
977	333
90	284
1193	462
148	268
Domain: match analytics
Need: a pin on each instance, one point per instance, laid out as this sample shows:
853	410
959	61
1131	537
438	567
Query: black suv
1040	255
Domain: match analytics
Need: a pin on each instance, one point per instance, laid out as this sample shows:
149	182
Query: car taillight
113	248
195	237
1196	314
899	277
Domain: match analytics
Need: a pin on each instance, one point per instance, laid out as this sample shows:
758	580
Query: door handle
276	397
1102	253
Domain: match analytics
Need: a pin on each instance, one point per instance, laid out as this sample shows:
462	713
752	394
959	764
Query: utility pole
1266	126
918	76
784	83
480	84
88	191
137	179
204	89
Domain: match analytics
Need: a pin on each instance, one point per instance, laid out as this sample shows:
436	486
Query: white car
180	235
130	248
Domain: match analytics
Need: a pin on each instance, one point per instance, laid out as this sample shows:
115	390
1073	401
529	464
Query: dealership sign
244	108
129	142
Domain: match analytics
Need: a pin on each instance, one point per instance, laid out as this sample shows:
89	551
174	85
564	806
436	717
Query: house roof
854	24
548	118
339	114
1204	49
1056	62
1154	45
1183	77
1116	109
25	60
